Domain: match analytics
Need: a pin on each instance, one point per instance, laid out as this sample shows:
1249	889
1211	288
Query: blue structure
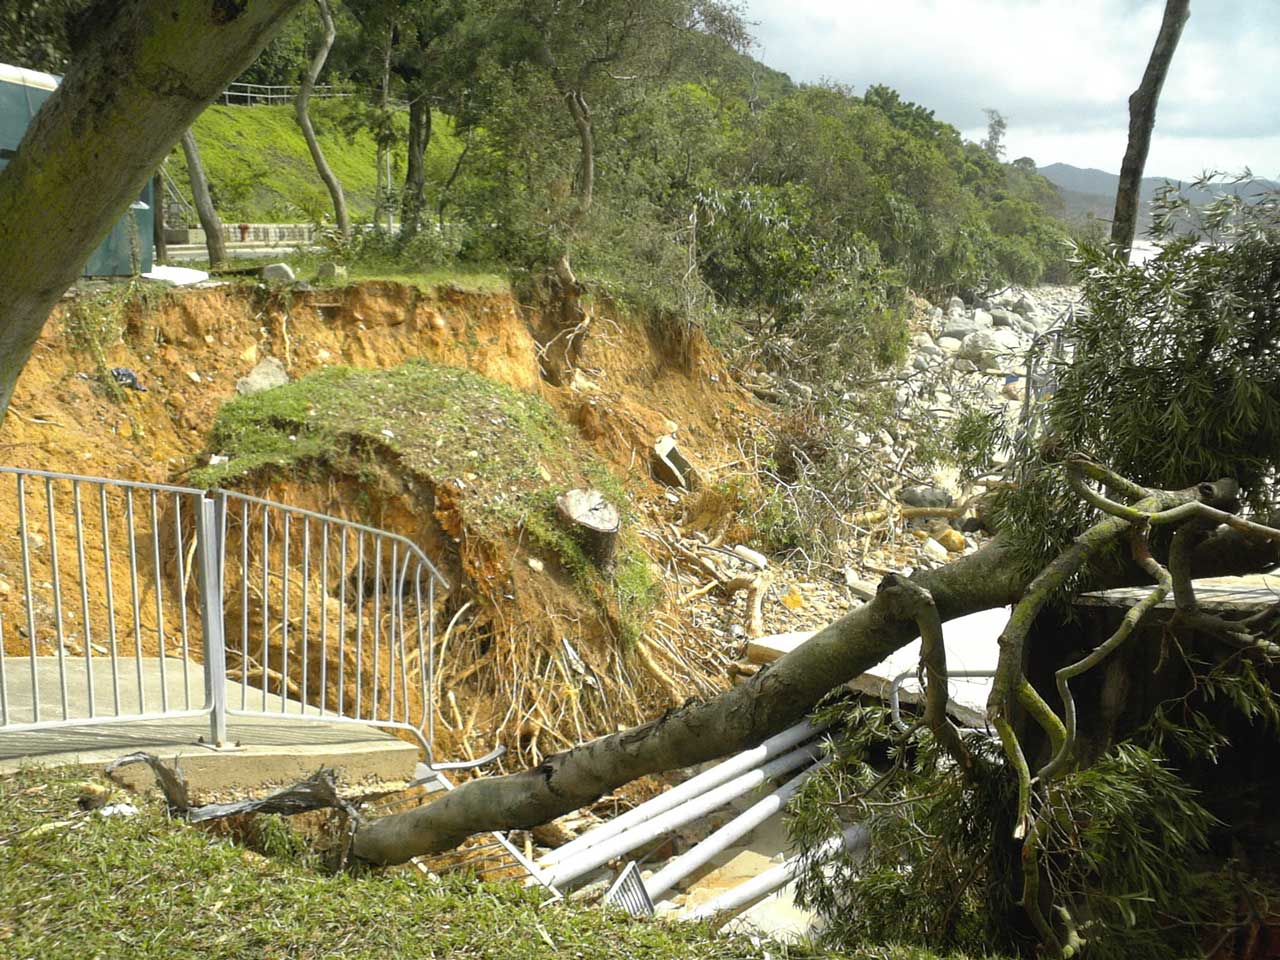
22	92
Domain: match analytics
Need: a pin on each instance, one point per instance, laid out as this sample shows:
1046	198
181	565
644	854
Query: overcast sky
1060	72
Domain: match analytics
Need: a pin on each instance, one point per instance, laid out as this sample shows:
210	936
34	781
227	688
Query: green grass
148	887
510	451
437	422
468	279
260	170
465	277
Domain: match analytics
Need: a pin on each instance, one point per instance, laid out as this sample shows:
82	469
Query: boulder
925	497
950	344
267	374
957	328
962	365
669	466
981	347
1024	306
278	273
935	551
982	320
955	305
1010	340
1005	318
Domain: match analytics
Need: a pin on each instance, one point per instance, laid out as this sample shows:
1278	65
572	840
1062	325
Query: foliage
997	126
1125	848
36	33
1173	379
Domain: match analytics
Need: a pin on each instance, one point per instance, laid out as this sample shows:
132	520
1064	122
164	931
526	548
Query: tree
209	219
1142	120
301	106
102	135
996	127
589	50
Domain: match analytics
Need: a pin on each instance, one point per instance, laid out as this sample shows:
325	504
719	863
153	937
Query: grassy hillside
260	170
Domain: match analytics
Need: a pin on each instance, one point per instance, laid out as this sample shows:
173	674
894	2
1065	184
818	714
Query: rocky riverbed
968	353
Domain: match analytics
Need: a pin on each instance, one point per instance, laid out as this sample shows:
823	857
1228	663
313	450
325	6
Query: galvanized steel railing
256	94
143	601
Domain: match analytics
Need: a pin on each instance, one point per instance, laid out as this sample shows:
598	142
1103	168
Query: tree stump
595	523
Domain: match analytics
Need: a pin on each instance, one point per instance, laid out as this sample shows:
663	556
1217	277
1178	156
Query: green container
22	92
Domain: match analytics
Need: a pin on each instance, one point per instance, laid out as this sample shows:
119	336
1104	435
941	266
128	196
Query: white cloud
1061	73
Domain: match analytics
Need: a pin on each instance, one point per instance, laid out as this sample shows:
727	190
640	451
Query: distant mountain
1088	191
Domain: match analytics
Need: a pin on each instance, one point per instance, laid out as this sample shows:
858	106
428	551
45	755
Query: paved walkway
277	747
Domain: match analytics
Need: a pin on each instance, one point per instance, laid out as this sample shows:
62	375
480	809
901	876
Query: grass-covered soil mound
502	450
470	470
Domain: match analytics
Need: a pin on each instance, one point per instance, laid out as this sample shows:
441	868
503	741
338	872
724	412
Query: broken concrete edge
139	780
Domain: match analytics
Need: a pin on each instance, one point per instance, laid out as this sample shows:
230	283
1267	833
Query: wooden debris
768	649
670	467
756	559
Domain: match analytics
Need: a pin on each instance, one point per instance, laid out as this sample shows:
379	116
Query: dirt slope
188	348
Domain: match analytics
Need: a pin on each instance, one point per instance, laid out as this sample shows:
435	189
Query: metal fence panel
140	601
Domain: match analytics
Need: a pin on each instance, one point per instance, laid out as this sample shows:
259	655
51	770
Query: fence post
209	545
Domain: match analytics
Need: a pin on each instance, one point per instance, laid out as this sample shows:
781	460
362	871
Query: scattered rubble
278	273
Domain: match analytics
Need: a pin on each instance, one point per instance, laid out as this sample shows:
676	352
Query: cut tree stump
595	523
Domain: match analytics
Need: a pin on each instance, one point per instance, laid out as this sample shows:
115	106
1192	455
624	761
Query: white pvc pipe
587	860
854	839
722	772
722	839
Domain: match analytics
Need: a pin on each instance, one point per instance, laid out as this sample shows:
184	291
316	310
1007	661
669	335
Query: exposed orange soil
191	347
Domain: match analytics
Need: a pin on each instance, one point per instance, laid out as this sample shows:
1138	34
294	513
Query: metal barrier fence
255	94
142	601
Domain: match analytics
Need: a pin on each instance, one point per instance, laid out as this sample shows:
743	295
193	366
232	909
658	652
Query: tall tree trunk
209	220
385	204
415	179
586	183
1142	119
301	108
130	93
159	214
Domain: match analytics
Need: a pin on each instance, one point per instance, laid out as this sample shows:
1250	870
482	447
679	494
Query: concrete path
276	747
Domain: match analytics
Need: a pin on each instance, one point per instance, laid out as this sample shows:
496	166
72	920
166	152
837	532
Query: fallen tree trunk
740	718
743	716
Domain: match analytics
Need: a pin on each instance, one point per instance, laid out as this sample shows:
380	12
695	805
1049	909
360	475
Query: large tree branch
130	93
